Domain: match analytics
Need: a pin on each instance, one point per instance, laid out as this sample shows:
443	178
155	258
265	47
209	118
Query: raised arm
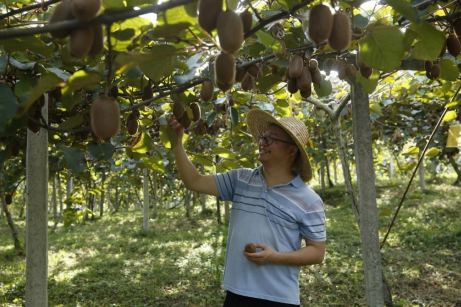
192	179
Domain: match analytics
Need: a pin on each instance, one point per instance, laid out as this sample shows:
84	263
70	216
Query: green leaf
449	116
103	151
448	70
323	89
211	118
75	158
385	212
125	32
172	22
429	41
72	122
268	41
8	106
288	3
404	8
369	85
412	151
168	136
155	163
382	48
223	153
265	83
30	42
81	79
234	116
25	84
21	65
143	143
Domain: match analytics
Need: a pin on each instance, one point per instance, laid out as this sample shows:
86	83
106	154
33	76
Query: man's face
275	146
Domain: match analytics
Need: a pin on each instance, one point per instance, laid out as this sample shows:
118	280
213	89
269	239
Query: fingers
173	122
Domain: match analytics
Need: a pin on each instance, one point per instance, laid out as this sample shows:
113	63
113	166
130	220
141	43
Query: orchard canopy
154	55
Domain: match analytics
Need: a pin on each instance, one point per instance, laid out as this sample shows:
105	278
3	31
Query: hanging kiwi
342	74
8	199
317	77
313	64
196	111
366	72
303	82
62	12
225	70
98	41
435	71
240	74
147	92
178	109
320	23
428	65
274	69
247	21
306	93
207	91
105	117
185	121
292	86
208	11
457	26
283	50
80	42
296	67
254	71
340	37
351	71
277	30
113	91
247	83
132	124
85	10
230	31
453	45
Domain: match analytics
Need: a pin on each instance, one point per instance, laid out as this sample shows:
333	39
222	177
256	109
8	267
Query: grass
113	262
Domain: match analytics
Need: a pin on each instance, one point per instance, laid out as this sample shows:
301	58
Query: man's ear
294	151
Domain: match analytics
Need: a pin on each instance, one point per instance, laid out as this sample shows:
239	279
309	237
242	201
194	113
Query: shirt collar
296	182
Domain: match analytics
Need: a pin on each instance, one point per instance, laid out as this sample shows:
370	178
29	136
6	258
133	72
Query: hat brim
258	121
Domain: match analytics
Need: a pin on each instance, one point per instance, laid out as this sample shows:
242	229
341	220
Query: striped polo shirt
280	217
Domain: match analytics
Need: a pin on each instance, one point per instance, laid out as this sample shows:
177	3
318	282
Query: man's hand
177	127
267	255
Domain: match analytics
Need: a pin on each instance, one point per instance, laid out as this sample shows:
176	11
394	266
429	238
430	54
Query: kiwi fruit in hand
250	248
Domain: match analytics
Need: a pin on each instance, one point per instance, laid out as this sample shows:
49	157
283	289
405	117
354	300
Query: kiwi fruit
208	11
178	109
224	87
435	71
317	76
340	37
225	69
240	74
351	71
247	83
254	70
98	41
196	112
8	199
296	66
85	10
366	72
80	42
453	45
283	50
113	91
428	65
34	127
303	82
247	20
457	26
147	92
132	125
14	150
313	64
274	69
292	86
207	91
230	31
185	121
277	30
62	12
306	93
105	117
342	72
250	248
320	23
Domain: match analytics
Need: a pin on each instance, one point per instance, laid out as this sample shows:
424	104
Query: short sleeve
313	223
226	183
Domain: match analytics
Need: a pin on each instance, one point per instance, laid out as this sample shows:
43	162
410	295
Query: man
272	208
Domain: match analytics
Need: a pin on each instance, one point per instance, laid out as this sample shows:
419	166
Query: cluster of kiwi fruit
179	111
202	128
433	70
325	26
35	112
83	41
105	117
247	76
230	28
300	75
132	122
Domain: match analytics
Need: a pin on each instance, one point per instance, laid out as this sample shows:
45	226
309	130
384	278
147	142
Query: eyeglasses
269	140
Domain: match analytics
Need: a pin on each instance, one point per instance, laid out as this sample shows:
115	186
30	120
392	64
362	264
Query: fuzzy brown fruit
351	71
247	21
8	199
62	12
342	72
230	31
185	121
240	74
105	117
208	11
457	26
306	93
283	50
114	91
207	91
428	65
80	42
178	109
435	71
340	37
296	67
359	62
320	23
147	92
453	45
292	86
247	83
303	82
196	111
85	10
98	41
313	64
132	125
224	87
254	70
225	69
366	72
316	77
250	248
277	30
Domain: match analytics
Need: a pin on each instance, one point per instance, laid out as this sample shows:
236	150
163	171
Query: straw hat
257	122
